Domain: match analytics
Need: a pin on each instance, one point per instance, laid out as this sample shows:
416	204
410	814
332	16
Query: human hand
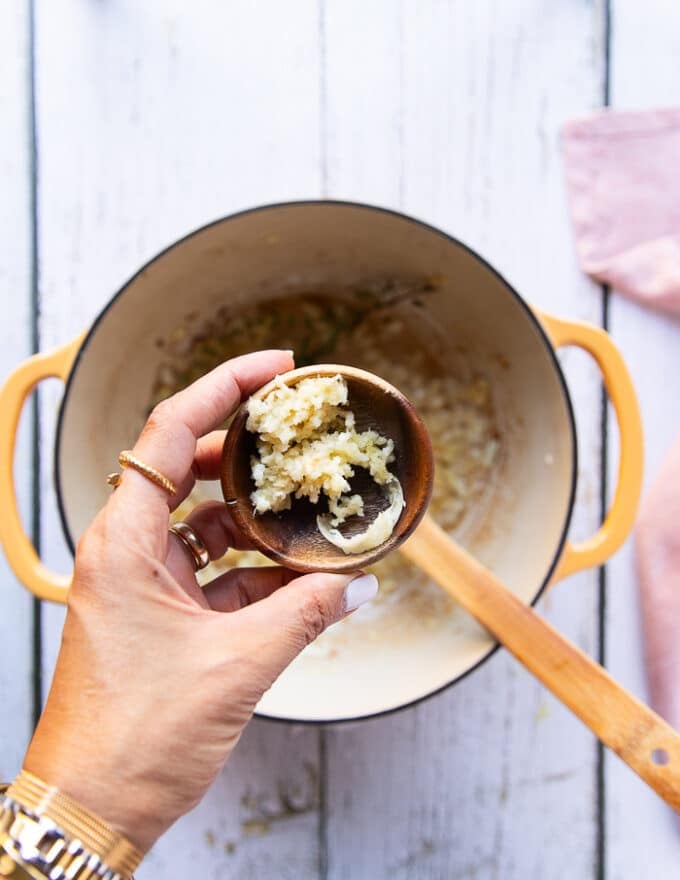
156	677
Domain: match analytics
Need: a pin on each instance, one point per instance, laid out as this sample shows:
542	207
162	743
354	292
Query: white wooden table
123	125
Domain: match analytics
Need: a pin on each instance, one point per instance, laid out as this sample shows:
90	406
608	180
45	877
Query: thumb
294	615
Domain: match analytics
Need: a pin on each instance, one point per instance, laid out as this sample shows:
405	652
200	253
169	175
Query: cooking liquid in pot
384	328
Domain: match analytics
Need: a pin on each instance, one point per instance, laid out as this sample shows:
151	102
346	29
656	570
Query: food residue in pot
308	446
379	326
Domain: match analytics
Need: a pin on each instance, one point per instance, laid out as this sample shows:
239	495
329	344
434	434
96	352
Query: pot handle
619	386
17	545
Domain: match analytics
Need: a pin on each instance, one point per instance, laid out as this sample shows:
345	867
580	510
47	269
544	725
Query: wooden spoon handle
638	735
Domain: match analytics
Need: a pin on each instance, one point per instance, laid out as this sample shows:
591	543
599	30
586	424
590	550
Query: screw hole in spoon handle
660	757
639	736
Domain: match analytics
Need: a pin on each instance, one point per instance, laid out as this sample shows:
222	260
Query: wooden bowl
291	537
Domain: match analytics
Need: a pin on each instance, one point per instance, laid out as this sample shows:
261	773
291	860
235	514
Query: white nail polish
362	589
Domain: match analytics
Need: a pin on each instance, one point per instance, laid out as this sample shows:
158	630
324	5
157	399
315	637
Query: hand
156	677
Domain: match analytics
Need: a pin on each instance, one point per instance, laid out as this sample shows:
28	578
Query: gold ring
193	543
127	459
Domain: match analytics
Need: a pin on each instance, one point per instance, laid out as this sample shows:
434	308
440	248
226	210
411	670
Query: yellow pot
258	254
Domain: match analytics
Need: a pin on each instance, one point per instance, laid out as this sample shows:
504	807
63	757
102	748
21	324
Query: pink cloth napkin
623	178
657	542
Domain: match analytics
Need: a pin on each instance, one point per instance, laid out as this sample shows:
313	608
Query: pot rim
301	203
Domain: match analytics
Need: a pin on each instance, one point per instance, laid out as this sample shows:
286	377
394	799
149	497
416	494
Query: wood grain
642	839
629	728
451	111
293	540
153	119
16	633
156	117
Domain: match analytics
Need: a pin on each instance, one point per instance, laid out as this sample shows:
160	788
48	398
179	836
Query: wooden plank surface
154	118
451	111
642	840
16	629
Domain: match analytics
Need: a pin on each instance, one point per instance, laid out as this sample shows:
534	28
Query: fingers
169	439
208	457
206	465
213	524
239	587
294	615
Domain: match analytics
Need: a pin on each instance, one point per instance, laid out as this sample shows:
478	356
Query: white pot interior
384	658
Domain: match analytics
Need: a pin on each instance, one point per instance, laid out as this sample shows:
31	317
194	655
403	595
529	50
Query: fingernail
362	589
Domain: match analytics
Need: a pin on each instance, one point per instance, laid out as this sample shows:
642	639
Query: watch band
46	834
9	867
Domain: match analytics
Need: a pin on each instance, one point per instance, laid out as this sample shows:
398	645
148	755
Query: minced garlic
308	445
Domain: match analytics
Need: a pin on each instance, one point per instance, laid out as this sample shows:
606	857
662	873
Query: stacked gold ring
197	549
128	459
194	544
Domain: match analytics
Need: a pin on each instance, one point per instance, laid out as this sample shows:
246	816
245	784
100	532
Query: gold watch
46	834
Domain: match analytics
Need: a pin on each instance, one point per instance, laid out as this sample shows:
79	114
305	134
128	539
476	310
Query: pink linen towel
657	545
623	178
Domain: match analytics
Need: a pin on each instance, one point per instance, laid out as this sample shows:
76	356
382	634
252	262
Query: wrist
45	833
125	812
100	785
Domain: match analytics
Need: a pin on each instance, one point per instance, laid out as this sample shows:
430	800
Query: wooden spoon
292	537
638	735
